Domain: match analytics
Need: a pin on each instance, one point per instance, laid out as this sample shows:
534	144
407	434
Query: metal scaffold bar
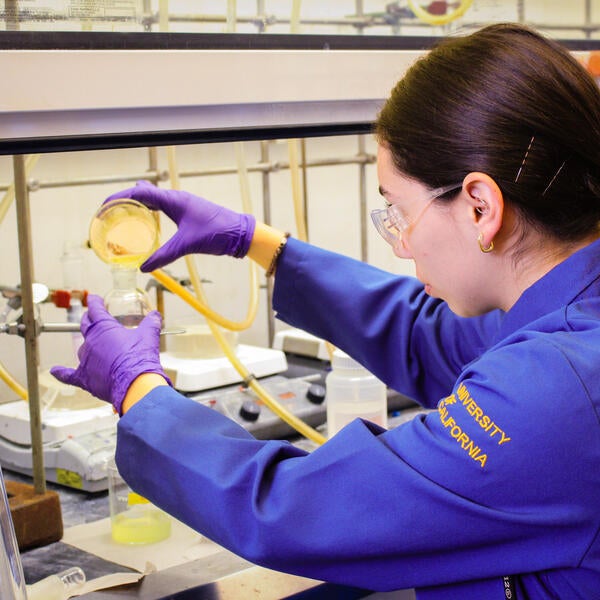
31	341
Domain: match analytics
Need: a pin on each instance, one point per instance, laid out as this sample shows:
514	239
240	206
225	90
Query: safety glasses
392	222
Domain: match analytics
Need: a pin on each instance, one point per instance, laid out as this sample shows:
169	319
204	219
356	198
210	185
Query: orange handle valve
437	8
437	13
62	298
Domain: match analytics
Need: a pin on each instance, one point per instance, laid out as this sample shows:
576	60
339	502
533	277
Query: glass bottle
126	302
72	267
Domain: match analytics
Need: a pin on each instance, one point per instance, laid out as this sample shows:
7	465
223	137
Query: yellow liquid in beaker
140	525
124	232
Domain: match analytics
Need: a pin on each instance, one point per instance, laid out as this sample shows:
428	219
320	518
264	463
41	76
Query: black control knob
249	411
316	393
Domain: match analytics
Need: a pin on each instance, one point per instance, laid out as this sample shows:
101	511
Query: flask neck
126	302
124	278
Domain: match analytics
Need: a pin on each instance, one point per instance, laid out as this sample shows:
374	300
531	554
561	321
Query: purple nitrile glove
112	356
202	226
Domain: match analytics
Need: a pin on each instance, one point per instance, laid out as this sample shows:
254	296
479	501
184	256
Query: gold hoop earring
482	247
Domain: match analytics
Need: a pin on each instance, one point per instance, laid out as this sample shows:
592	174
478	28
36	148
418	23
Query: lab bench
222	575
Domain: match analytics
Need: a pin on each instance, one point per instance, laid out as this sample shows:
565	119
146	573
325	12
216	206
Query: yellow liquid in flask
124	232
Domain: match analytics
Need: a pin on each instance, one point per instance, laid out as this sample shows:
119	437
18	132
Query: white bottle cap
341	360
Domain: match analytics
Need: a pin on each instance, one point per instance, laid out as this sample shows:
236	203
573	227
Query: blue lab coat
502	478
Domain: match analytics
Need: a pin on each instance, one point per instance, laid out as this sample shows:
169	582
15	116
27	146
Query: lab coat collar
576	276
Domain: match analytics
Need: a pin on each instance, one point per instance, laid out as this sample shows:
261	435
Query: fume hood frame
73	91
68	91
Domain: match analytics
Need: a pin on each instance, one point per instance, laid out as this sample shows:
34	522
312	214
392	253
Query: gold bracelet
269	272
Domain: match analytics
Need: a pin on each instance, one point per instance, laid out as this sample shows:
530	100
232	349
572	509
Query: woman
489	161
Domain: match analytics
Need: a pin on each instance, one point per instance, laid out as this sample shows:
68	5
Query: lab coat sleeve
450	496
385	321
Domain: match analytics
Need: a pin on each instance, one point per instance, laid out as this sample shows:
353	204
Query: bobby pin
524	158
555	176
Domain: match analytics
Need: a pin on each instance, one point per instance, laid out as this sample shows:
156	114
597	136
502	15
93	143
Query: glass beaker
124	232
134	520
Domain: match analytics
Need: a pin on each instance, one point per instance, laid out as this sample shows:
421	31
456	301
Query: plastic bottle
126	302
353	392
72	266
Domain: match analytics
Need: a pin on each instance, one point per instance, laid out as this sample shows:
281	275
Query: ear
486	204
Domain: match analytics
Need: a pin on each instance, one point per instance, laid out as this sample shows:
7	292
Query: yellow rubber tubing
174	287
198	302
12	383
299	214
292	420
203	308
279	410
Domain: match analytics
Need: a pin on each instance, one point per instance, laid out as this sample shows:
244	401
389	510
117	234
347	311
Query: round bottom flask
124	233
126	302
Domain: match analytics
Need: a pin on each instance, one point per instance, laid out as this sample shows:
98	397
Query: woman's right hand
202	226
112	356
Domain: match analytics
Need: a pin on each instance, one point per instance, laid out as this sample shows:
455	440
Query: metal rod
274	167
521	11
155	175
273	20
362	196
360	12
31	343
147	8
261	21
159	290
11	8
59	327
362	174
588	16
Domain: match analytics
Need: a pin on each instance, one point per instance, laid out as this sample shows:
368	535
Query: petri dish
124	232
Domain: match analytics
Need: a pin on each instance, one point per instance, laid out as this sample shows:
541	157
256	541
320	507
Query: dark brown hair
511	103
